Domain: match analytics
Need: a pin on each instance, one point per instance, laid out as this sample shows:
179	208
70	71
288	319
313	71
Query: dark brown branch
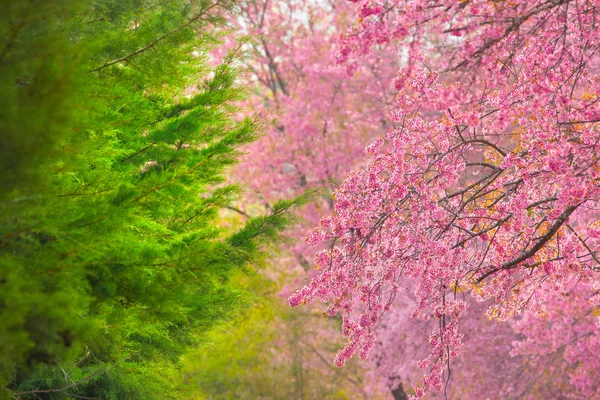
582	241
591	121
273	67
487	143
237	210
560	221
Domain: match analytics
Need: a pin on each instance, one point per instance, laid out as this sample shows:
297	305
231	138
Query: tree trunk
399	393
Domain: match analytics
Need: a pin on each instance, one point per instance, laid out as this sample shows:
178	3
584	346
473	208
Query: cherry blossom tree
487	187
528	357
313	138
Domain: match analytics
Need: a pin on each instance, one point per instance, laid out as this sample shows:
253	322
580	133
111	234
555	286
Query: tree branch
560	221
157	40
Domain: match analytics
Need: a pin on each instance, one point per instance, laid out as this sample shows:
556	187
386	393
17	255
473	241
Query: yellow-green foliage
269	351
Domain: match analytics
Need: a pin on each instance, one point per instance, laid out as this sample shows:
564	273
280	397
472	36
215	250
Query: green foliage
116	135
269	351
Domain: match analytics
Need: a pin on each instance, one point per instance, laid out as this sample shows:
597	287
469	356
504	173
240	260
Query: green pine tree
116	134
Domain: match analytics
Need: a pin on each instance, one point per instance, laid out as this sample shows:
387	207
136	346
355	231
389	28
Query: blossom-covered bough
489	186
